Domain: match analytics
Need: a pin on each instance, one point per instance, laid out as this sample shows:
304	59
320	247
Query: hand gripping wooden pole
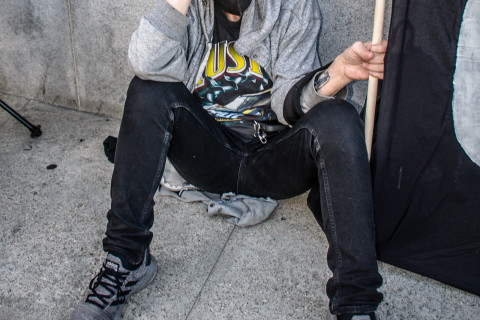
372	81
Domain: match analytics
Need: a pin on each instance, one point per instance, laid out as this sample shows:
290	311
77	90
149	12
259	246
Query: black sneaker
112	286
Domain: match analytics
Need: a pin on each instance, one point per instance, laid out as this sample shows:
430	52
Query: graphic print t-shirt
234	89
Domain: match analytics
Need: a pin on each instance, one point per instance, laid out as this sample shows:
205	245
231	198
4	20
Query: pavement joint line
210	273
74	54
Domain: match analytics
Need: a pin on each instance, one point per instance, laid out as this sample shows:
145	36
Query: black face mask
236	7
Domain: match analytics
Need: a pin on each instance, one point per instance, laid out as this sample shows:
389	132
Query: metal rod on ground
35	130
372	81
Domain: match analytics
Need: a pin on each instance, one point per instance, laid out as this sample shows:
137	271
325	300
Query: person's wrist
336	78
339	65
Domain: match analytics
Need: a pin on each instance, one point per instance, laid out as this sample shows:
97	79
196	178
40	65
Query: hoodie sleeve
157	48
296	56
303	96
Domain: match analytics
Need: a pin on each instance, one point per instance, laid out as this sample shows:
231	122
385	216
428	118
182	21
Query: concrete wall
73	52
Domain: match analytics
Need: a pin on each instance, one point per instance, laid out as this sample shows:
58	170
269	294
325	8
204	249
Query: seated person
206	72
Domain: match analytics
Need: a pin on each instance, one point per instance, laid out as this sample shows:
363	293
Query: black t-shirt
234	89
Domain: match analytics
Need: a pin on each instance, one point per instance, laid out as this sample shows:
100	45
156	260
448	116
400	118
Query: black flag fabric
425	161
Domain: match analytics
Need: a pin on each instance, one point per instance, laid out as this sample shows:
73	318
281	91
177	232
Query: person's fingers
378	53
359	49
378	75
379	47
374	67
377	59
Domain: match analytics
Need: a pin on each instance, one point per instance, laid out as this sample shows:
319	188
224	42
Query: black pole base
35	131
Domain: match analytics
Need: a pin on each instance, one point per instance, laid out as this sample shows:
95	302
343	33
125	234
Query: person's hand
356	63
364	59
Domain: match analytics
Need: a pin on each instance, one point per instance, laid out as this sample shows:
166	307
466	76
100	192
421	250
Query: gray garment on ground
240	210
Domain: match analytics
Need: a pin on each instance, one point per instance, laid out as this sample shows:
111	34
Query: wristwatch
321	80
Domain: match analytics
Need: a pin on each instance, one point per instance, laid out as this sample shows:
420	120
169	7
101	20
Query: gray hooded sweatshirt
280	35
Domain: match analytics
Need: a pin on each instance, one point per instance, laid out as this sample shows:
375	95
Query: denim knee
146	98
149	90
150	87
335	123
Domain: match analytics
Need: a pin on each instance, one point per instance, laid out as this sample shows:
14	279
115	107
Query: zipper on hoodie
203	64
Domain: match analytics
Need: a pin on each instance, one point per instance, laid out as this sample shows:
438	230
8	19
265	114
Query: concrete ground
52	224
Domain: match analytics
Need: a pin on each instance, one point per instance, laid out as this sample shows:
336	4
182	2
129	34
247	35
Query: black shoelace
112	282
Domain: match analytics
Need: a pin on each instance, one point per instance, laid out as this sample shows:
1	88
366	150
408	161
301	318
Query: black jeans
324	151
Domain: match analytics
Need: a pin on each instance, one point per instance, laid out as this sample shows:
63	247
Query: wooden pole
372	81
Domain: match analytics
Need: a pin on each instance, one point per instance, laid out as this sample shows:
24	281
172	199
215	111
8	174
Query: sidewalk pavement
53	221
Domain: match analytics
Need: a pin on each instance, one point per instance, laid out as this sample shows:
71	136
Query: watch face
236	7
321	80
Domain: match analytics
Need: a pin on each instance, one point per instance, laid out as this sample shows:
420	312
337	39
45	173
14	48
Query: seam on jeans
333	229
158	175
226	145
328	198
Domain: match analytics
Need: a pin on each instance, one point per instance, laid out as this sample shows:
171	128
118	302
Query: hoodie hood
260	16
